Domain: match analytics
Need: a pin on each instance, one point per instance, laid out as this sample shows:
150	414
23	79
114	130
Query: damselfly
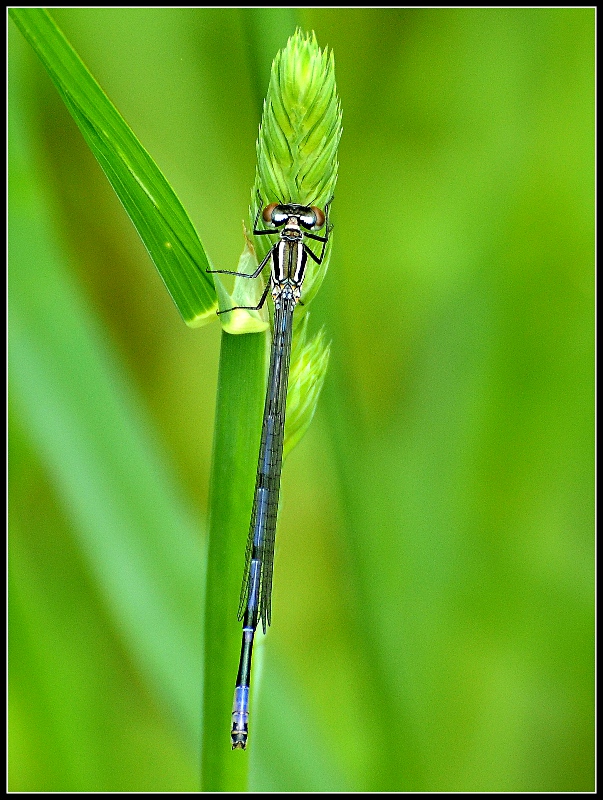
288	258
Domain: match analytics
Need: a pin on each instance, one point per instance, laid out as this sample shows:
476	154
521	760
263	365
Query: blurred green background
433	611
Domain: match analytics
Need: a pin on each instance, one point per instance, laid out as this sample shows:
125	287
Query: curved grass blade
152	205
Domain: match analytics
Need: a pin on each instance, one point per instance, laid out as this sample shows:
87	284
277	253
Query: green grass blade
149	200
241	386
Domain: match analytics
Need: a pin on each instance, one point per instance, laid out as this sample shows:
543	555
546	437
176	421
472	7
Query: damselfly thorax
290	255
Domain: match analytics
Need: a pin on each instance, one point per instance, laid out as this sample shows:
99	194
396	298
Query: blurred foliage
433	606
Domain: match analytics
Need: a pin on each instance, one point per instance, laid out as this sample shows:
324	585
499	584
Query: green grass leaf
241	387
149	200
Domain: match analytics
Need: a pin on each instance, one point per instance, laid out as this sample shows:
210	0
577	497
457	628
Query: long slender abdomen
257	585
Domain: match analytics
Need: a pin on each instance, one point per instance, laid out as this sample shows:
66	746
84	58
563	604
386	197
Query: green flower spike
296	163
299	135
309	367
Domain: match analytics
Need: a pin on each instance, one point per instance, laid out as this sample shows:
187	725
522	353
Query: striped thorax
290	254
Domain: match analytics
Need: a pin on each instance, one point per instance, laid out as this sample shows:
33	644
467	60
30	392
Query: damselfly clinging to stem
288	258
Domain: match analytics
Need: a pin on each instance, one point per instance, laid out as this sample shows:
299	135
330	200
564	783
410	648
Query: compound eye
267	213
319	217
307	220
279	217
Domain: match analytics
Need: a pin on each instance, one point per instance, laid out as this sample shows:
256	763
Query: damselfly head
309	217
